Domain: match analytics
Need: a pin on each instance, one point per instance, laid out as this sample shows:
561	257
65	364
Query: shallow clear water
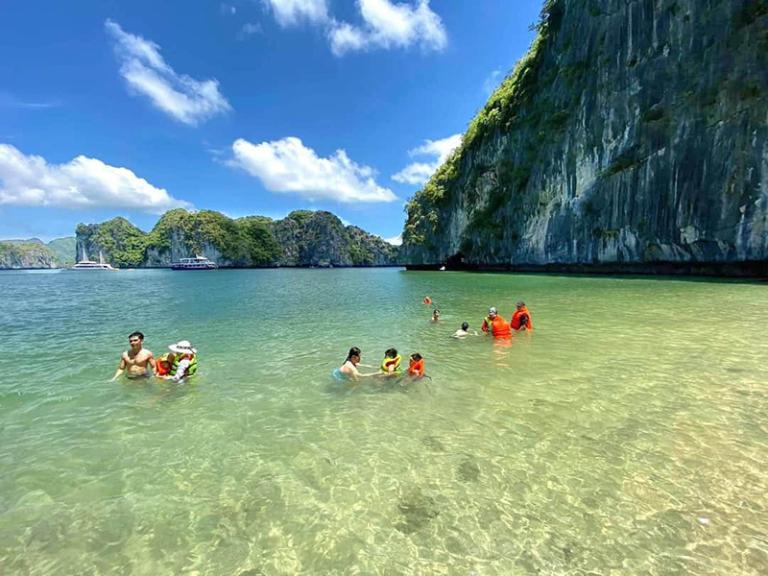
627	435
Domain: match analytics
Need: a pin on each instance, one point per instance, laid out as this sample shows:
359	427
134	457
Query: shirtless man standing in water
136	360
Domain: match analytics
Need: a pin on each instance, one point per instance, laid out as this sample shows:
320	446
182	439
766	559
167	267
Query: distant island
34	253
302	239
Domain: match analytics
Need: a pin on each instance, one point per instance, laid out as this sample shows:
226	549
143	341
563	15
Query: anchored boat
196	263
86	264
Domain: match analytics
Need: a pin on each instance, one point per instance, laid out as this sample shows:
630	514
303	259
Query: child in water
390	366
435	315
416	366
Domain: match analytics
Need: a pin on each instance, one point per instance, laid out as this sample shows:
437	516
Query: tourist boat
196	263
86	264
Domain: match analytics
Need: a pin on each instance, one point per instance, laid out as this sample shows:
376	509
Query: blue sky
246	106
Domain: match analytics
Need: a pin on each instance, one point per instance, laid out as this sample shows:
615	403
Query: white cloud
395	240
144	69
293	12
390	25
81	183
288	166
386	24
420	172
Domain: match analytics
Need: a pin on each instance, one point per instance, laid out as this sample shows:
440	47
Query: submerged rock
417	510
468	470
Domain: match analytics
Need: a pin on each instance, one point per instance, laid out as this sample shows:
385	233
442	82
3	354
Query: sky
247	107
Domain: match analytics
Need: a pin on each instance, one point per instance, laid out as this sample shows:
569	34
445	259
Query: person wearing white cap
488	320
496	325
184	361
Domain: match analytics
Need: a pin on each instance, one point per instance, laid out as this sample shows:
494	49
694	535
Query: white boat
196	263
86	264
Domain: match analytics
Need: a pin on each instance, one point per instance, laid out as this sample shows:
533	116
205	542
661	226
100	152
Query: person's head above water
354	352
520	304
465	326
492	311
135	339
416	356
391	353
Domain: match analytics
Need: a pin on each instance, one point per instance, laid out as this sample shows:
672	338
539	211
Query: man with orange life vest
521	319
496	325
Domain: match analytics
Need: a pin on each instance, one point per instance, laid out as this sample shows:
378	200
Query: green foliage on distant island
258	241
124	242
63	250
303	238
34	253
25	254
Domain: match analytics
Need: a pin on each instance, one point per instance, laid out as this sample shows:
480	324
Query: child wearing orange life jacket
163	364
416	366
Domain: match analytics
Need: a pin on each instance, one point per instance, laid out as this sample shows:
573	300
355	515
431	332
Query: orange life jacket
522	319
416	367
162	365
500	328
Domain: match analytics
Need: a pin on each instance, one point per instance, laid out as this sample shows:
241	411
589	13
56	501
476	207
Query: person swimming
435	315
463	332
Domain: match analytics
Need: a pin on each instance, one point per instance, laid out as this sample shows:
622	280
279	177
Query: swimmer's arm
120	370
152	362
181	370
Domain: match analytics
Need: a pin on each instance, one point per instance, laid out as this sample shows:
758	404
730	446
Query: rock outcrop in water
633	136
34	253
303	238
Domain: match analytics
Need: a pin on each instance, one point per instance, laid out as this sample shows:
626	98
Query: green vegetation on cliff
630	133
63	250
121	240
303	238
33	253
506	109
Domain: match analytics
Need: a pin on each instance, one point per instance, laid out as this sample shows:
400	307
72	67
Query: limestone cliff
303	238
34	253
20	254
632	137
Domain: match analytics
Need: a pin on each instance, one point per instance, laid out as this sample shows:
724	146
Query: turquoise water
627	435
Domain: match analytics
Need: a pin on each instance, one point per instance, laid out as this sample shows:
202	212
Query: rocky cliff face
633	136
303	238
25	254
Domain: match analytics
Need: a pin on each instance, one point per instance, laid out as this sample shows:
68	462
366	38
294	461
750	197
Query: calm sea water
627	435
